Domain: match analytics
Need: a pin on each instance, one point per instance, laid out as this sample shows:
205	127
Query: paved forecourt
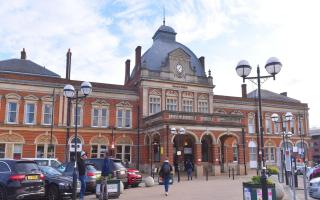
217	188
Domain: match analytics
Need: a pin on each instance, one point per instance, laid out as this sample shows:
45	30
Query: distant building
167	88
315	144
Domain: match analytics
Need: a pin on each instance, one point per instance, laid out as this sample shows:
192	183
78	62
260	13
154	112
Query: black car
57	186
91	172
119	170
20	179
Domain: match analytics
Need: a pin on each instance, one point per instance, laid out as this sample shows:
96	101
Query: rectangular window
12	112
203	106
104	117
51	152
171	104
103	149
17	151
119	152
268	125
119	117
128	119
30	113
187	105
251	128
40	151
235	153
2	150
154	105
47	114
77	117
284	124
276	128
94	151
95	120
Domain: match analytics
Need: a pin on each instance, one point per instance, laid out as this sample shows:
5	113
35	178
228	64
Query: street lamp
72	94
243	69
180	132
275	119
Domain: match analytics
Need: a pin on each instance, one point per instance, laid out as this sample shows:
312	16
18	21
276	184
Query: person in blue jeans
165	173
189	168
82	173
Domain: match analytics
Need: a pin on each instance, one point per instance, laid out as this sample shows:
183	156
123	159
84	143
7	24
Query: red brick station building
167	88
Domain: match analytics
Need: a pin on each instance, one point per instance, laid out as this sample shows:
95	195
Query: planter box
113	188
254	191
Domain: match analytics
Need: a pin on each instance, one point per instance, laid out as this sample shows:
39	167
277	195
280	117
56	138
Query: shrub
272	170
257	180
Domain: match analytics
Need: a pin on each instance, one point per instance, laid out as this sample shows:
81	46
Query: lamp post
243	69
275	119
72	94
180	132
112	143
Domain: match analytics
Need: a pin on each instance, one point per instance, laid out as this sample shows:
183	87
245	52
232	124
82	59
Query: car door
4	173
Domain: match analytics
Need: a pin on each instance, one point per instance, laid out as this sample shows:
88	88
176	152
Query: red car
134	177
315	173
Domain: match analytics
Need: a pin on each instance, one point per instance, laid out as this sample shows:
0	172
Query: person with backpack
165	173
105	172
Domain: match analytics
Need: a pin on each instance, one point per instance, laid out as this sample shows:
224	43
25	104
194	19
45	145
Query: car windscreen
26	167
50	171
118	165
55	163
42	162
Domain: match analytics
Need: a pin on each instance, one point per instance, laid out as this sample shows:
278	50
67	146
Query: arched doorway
229	151
184	149
206	148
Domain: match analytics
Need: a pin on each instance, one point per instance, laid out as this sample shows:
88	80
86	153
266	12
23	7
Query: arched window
270	152
252	154
123	149
98	146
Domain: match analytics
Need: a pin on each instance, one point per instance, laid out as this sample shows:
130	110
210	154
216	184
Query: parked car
92	173
134	177
57	186
315	173
20	179
119	170
53	162
314	188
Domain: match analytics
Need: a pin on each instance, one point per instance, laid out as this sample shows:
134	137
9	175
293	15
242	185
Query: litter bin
254	191
113	188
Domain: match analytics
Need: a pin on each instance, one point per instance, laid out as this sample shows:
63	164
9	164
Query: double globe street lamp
178	151
73	94
288	118
243	69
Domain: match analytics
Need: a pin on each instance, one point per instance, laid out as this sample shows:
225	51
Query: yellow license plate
33	177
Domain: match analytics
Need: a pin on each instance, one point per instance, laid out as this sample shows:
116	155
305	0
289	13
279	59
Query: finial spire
164	16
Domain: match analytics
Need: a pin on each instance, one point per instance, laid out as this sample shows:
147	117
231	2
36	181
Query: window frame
26	114
80	124
16	112
123	157
173	104
48	114
187	103
124	117
251	126
154	104
202	108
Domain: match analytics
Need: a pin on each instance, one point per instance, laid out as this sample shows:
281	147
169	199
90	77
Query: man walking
82	173
189	168
165	173
105	172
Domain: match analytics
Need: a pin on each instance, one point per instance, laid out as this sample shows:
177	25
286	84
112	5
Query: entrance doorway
185	144
229	152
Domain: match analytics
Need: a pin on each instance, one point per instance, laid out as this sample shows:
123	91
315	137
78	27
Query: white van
53	162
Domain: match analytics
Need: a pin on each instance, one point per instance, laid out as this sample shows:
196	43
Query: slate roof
266	94
22	66
164	42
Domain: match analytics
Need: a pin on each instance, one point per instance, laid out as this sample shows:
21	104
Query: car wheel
53	193
3	195
135	185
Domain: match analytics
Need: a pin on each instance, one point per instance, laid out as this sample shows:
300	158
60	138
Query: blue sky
102	34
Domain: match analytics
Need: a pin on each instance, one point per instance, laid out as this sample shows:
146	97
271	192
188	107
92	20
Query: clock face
179	68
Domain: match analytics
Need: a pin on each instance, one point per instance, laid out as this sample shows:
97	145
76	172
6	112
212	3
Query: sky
102	34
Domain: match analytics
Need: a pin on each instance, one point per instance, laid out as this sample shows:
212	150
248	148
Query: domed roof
164	42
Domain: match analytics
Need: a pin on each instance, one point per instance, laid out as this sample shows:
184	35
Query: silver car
314	188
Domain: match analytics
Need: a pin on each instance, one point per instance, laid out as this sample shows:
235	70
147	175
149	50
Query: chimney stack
244	90
284	94
201	59
23	54
68	65
138	57
127	72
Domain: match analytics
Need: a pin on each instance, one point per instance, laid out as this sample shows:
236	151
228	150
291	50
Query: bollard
232	173
207	174
229	172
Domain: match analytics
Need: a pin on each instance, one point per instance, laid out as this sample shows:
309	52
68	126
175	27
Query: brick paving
216	188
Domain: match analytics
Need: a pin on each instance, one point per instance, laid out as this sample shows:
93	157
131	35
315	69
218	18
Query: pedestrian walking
105	173
189	168
82	173
165	173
